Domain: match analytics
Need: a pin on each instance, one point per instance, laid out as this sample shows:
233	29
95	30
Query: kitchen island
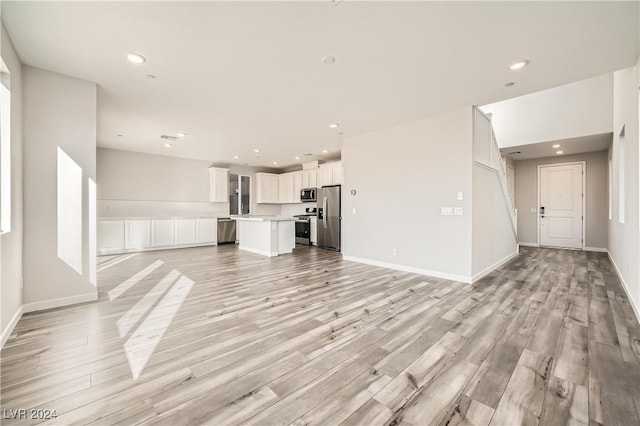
266	235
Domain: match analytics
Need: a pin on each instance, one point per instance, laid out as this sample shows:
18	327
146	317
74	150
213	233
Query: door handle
324	210
542	212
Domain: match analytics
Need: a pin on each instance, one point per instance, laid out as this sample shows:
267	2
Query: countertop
264	218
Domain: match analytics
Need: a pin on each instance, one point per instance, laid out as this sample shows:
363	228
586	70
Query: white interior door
561	201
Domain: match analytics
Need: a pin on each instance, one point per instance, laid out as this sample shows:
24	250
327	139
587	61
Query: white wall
577	109
58	111
11	243
526	196
494	239
132	184
624	238
403	175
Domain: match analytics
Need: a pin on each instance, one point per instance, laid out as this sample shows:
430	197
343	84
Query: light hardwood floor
218	336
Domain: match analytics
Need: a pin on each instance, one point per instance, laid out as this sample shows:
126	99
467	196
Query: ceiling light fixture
297	158
328	60
256	150
556	146
275	163
236	157
515	66
181	135
324	151
560	152
167	145
135	58
334	125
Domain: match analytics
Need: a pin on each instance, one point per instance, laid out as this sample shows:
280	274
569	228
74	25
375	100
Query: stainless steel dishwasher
226	230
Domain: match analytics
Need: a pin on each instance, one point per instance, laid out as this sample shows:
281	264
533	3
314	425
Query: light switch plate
458	211
446	211
354	210
459	196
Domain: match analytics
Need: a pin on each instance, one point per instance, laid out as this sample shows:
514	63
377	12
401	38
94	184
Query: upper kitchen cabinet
218	185
309	178
267	185
330	174
289	188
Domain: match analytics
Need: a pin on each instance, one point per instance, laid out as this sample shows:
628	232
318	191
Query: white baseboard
634	307
495	266
419	271
56	303
12	324
529	244
256	251
598	249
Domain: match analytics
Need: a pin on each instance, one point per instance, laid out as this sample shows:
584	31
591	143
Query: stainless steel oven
303	230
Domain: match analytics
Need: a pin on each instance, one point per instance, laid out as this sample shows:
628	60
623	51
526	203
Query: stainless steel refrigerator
329	217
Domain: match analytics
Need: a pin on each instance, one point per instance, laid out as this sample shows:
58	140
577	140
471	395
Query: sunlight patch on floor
116	292
137	311
111	262
141	345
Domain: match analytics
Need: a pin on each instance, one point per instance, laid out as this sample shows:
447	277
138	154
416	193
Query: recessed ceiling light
236	157
509	84
297	158
136	58
324	151
275	163
559	152
181	135
256	150
518	65
556	146
334	125
328	60
167	145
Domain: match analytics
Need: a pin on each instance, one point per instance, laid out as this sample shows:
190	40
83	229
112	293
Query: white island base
266	235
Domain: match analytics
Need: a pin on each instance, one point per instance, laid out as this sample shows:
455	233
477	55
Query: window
239	194
5	149
621	176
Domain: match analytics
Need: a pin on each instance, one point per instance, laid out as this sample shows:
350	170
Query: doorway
561	205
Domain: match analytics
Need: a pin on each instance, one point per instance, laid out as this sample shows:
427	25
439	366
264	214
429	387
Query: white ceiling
242	75
569	146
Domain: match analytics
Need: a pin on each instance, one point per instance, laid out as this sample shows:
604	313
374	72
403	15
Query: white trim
529	244
495	266
634	308
419	271
584	199
598	249
56	303
256	251
6	333
140	250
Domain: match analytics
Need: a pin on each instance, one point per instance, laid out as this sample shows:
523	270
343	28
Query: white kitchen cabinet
218	185
337	173
297	186
313	232
267	188
137	233
185	231
325	175
206	230
111	235
285	188
163	232
309	178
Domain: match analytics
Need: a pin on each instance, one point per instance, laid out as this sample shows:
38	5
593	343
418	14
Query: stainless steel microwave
308	195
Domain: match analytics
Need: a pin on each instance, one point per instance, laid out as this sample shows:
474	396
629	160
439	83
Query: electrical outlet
446	211
394	251
627	272
354	210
